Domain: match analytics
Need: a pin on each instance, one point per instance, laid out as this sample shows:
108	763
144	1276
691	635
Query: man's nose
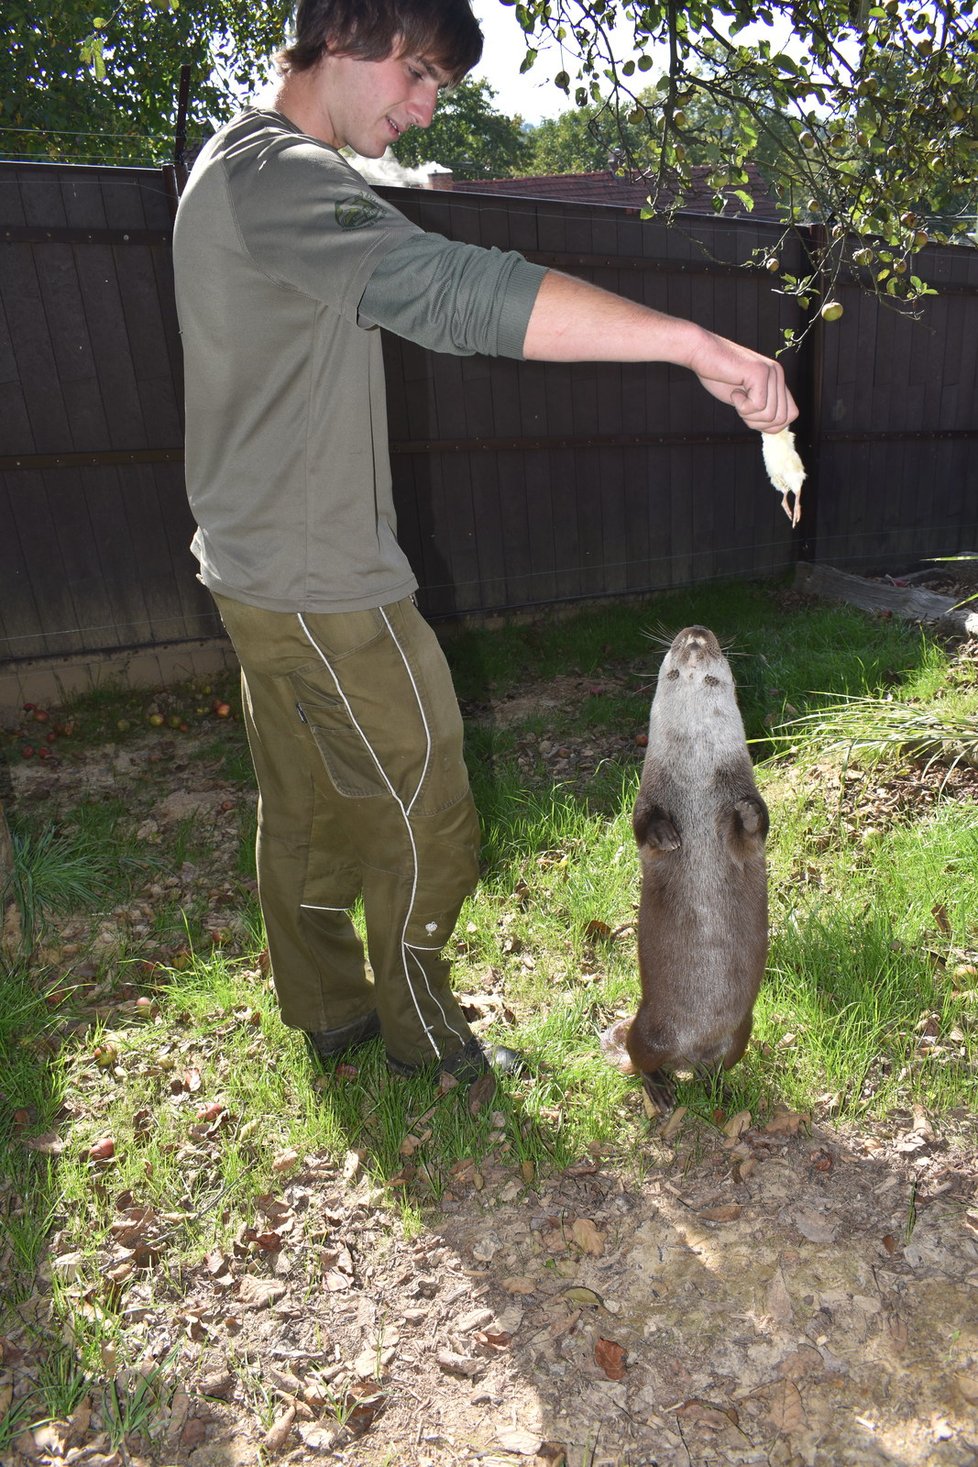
422	106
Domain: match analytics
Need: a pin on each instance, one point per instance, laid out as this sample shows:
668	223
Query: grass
164	1039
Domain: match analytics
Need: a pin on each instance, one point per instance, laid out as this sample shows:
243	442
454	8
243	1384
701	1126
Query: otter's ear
653	828
751	817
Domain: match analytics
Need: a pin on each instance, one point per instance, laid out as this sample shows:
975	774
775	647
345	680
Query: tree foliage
590	137
863	116
468	136
87	85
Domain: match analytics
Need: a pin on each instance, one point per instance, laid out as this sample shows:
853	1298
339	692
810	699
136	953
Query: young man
286	264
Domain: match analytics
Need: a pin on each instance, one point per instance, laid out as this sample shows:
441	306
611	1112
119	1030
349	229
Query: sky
533	96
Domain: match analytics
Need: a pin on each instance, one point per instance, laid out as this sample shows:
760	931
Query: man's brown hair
444	32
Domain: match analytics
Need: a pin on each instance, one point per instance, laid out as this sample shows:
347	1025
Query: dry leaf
597	929
611	1357
520	1443
463	1365
779	1305
258	1293
815	1227
783	1123
481	1092
48	1143
583	1298
965	1385
587	1237
285	1160
319	1437
709	1414
366	1400
279	1431
787	1410
725	1212
673	1124
519	1284
737	1125
921	1124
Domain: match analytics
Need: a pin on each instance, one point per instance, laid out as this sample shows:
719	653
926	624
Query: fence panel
95	552
516	484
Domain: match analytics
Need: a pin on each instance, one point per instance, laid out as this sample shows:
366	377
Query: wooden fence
517	484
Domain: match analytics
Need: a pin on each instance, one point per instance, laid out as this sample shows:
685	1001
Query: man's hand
753	385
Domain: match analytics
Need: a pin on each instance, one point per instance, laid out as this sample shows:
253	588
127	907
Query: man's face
368	104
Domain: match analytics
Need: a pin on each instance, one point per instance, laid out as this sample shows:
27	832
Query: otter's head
695	687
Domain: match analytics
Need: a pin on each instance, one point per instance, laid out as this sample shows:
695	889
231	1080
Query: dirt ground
793	1293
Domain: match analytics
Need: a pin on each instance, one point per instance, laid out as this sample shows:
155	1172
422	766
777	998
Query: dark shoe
466	1064
506	1061
328	1043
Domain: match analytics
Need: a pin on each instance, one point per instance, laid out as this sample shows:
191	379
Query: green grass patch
148	1081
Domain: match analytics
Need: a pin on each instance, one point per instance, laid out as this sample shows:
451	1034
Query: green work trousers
356	738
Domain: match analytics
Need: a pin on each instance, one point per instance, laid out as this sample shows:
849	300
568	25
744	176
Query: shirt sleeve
308	221
452	297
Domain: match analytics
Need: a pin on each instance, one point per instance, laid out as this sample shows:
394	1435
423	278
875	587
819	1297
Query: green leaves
101	87
468	136
855	116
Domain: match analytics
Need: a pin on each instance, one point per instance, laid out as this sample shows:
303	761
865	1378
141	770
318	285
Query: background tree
86	85
584	140
865	113
597	136
468	136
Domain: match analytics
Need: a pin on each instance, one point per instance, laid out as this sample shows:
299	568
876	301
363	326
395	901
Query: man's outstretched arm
573	321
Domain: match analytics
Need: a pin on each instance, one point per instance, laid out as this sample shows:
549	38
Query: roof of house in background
625	190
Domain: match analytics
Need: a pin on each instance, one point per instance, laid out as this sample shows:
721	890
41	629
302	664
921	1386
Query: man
286	263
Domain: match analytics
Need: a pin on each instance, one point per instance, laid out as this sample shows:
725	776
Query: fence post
175	173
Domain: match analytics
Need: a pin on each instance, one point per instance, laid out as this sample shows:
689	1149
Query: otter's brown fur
700	824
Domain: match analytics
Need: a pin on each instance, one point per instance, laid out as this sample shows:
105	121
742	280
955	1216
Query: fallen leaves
611	1358
786	1409
279	1432
587	1237
259	1293
456	1364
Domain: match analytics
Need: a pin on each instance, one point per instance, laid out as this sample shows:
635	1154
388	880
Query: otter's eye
711	681
673	674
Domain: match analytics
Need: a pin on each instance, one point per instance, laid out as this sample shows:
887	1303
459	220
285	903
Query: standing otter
700	825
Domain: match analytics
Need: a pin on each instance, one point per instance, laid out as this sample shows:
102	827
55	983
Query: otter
700	825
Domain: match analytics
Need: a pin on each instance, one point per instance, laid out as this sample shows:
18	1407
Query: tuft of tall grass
872	728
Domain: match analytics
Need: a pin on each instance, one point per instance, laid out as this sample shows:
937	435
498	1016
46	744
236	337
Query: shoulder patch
356	211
